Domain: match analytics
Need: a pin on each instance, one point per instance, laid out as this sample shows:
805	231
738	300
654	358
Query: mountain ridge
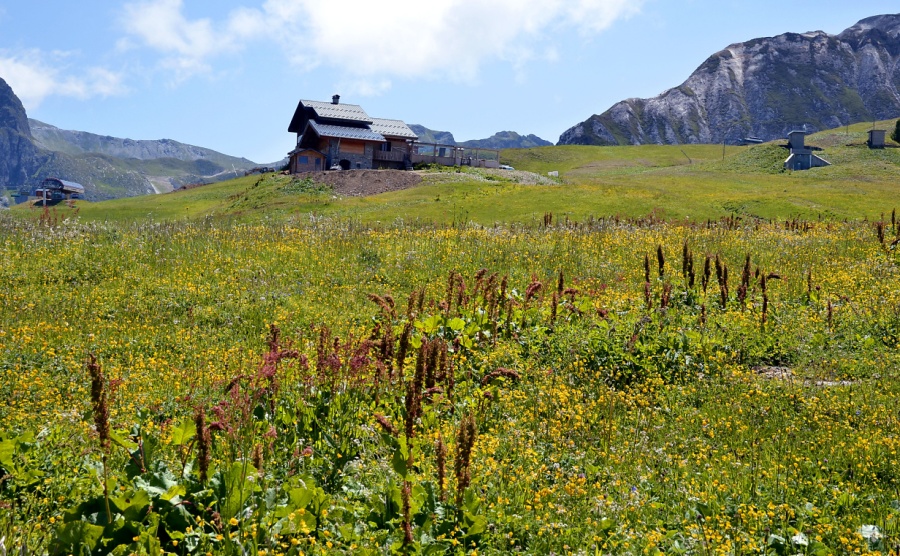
499	140
108	167
763	88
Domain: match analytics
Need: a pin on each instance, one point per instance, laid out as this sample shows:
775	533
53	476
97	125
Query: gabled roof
392	128
342	132
331	111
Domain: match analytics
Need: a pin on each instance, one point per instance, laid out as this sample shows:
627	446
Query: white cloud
372	42
34	76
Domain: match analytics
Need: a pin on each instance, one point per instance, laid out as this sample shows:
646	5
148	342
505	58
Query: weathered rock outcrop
17	151
765	88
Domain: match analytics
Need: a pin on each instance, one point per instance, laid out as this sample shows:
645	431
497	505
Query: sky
227	74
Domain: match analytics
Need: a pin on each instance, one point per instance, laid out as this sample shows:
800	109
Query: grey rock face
17	152
765	88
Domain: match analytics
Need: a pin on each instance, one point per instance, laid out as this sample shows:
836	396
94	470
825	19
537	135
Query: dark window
318	162
386	147
304	160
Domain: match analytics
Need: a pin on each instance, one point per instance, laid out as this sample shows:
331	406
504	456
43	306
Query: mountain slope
70	142
506	140
765	88
499	140
108	167
17	152
431	136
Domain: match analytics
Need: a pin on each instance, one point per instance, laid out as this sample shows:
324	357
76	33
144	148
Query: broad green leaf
7	450
184	432
72	536
123	442
132	505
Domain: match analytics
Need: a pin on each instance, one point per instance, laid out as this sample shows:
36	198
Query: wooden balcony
390	156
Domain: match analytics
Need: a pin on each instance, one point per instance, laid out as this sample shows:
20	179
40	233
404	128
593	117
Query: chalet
802	157
332	135
343	135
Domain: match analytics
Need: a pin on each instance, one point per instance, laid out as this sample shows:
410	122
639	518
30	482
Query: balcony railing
390	156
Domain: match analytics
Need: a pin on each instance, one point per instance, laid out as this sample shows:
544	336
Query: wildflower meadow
319	386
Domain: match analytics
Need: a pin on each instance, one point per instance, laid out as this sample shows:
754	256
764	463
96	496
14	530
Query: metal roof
331	111
342	132
392	128
69	186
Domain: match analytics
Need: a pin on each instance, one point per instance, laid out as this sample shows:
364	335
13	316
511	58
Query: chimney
336	99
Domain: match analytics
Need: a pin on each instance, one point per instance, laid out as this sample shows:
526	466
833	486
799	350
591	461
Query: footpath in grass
615	387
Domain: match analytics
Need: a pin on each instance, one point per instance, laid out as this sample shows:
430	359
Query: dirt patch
786	374
362	183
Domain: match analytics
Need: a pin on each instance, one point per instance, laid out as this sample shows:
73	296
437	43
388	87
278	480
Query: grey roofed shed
876	138
392	128
343	132
63	185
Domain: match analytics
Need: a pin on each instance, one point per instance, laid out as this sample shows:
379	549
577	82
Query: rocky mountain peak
764	88
888	24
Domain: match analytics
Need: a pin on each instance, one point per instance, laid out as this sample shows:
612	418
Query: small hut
876	138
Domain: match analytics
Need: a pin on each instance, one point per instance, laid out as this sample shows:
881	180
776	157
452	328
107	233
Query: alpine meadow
264	366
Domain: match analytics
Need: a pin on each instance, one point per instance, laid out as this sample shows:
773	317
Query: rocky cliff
765	88
17	151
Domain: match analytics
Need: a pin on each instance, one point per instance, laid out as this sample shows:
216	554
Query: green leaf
184	432
400	457
123	442
238	488
300	498
457	324
70	537
132	506
432	324
7	450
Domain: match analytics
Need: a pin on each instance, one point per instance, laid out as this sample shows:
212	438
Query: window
386	147
304	160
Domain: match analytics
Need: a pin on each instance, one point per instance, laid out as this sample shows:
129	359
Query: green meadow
664	351
695	182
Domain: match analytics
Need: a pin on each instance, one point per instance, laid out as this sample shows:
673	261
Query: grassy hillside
690	181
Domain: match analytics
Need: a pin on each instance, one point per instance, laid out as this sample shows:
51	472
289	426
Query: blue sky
227	74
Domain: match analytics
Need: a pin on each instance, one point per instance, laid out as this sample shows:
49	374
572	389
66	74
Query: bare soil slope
361	183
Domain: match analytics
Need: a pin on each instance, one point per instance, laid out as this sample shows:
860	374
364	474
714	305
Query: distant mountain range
499	140
765	88
108	167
